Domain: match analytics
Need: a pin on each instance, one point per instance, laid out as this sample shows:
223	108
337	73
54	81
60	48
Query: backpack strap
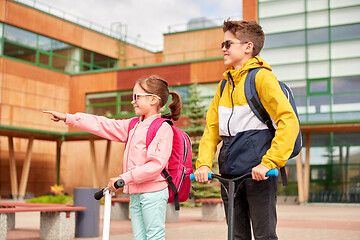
132	123
258	109
223	83
153	128
254	101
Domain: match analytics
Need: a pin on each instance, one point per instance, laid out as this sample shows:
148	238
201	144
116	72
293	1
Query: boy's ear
249	47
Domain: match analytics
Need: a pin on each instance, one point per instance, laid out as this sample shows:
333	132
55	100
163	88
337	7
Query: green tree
195	112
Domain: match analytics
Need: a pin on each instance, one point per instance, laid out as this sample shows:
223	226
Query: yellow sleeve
281	111
211	137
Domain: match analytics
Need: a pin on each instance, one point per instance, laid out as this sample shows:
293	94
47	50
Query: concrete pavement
295	222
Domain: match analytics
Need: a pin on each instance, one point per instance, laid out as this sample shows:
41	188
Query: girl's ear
154	100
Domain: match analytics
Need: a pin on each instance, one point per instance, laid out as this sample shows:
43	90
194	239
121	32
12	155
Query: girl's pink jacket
141	166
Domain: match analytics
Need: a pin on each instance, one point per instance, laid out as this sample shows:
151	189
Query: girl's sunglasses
137	95
227	44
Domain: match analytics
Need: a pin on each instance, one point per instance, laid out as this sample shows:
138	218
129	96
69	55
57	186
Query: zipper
184	168
231	82
128	145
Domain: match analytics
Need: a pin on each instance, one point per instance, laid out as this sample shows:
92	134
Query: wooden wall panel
89	83
27	90
173	74
136	56
100	43
43	23
2	10
182	47
205	72
250	10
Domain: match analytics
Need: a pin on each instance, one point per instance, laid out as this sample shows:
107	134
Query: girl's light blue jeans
148	213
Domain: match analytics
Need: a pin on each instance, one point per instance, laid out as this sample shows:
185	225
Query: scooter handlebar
118	184
271	173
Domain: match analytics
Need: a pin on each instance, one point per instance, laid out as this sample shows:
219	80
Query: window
110	104
51	53
118	104
284	39
345	32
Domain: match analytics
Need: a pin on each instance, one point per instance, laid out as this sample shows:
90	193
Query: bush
61	199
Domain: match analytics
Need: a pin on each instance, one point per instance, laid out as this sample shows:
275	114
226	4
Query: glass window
318	86
318	35
354	153
343	103
110	104
20	36
319	104
348	139
125	103
44	43
341	116
1	33
346	84
44	59
284	39
101	61
345	32
320	155
20	52
320	173
47	52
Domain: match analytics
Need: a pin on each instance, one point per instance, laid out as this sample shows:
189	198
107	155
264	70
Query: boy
248	145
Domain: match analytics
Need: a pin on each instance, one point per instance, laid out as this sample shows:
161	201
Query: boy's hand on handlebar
201	174
258	173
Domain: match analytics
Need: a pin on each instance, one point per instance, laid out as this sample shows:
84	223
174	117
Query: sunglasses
228	43
137	95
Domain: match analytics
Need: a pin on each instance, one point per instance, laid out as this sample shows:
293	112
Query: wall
25	91
182	47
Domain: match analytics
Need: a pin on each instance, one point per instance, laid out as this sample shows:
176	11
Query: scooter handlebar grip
99	194
272	173
192	176
119	183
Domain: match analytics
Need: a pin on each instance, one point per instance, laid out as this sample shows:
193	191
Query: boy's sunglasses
137	95
228	43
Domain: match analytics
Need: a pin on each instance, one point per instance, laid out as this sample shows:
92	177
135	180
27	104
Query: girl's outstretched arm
56	116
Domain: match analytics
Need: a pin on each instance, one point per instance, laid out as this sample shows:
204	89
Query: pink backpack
180	162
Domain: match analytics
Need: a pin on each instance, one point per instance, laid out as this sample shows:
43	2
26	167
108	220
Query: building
314	46
52	63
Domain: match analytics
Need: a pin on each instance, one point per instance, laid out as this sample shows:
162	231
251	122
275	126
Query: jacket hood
254	62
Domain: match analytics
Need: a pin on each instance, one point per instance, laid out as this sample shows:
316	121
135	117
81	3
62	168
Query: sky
145	20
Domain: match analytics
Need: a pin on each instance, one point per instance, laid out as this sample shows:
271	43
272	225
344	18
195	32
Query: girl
142	166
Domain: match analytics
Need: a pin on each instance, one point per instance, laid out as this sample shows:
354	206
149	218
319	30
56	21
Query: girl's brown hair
158	86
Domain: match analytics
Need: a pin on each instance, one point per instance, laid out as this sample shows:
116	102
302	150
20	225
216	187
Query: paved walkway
295	222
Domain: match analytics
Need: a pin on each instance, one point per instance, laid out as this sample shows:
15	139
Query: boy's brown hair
247	31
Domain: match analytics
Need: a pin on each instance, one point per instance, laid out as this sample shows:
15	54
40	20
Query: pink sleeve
157	157
115	130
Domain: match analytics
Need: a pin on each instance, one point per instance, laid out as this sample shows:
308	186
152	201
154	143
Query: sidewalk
295	222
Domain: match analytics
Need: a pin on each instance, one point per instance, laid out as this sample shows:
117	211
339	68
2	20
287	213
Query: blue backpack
258	109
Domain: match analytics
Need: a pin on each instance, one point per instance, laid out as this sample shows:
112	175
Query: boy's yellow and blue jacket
247	141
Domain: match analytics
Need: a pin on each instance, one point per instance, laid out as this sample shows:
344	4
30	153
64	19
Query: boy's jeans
255	202
148	213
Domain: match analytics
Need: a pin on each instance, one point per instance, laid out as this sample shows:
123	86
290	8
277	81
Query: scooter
231	193
105	192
